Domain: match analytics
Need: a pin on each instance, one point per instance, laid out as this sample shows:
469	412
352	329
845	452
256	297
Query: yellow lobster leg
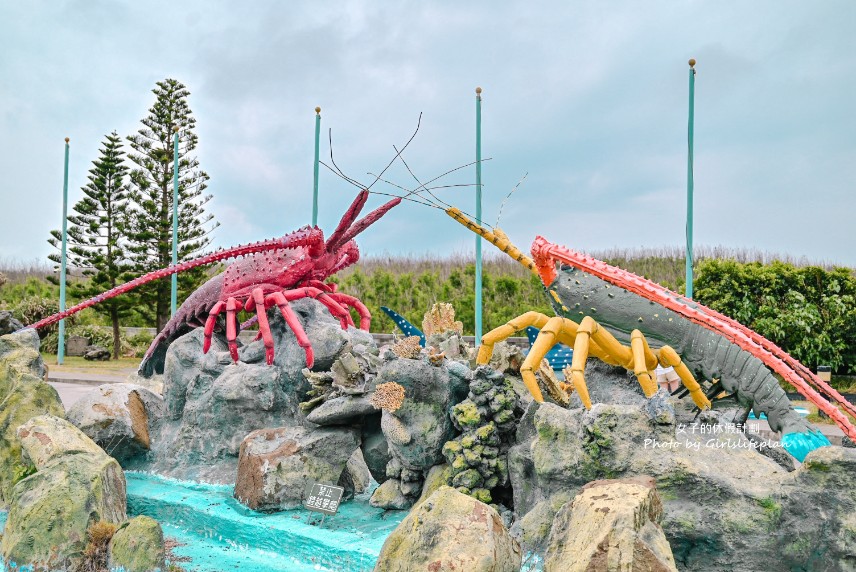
638	357
553	329
556	329
670	358
644	363
507	330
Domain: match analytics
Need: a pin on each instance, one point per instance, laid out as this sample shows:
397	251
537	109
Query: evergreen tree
96	234
149	219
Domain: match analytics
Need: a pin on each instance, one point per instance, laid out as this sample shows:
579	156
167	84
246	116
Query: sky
587	99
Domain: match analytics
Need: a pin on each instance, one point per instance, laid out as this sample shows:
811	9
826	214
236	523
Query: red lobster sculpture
271	273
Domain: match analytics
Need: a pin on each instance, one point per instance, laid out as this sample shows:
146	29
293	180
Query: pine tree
150	192
96	234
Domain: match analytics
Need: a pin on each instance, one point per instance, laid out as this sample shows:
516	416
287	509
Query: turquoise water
219	534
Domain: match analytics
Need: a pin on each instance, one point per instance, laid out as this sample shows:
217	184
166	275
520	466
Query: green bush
810	312
96	336
505	295
31	309
136	346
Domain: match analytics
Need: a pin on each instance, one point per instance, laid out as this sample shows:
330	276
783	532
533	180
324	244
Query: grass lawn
813	416
76	363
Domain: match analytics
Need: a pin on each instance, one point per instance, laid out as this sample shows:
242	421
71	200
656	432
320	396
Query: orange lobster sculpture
597	305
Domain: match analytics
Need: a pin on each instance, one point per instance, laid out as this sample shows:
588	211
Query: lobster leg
505	331
257	302
323	286
351	302
233	306
346	301
558	329
311	292
670	358
291	319
210	324
644	362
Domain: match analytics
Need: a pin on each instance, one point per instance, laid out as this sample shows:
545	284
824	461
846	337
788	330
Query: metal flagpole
689	278
174	293
60	349
478	328
315	183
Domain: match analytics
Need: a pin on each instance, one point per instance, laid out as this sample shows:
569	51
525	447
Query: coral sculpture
487	419
388	396
440	319
408	347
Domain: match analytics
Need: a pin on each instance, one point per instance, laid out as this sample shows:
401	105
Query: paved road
71	392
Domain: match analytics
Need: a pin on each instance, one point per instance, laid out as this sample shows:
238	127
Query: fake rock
74	484
118	417
450	531
276	466
611	526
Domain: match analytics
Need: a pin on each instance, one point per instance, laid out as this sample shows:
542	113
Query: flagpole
478	325
60	348
689	263
174	292
315	183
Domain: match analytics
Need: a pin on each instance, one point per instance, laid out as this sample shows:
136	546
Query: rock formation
277	466
448	532
137	546
611	526
74	483
119	417
416	431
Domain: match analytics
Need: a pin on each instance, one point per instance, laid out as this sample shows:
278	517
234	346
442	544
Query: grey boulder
119	417
277	466
450	531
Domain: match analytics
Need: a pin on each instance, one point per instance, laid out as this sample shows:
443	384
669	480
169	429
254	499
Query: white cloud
588	98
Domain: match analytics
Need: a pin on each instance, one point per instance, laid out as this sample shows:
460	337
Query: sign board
324	498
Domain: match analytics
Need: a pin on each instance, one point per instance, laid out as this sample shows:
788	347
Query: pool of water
218	534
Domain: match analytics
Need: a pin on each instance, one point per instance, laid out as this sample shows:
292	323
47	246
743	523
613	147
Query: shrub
809	312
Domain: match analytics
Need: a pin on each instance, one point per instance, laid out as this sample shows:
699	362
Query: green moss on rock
28	397
466	414
138	546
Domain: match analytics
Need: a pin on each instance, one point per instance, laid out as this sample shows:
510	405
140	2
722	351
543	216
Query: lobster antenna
339	171
417	191
398	153
340	175
449	172
508	196
427	202
407	198
415	178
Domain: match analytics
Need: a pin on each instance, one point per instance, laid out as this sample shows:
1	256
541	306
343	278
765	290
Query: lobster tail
301	237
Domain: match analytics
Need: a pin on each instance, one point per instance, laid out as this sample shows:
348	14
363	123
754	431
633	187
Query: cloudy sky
588	98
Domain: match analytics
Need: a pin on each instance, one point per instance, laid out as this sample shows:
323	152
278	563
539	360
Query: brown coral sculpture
436	357
408	347
441	318
548	380
388	396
